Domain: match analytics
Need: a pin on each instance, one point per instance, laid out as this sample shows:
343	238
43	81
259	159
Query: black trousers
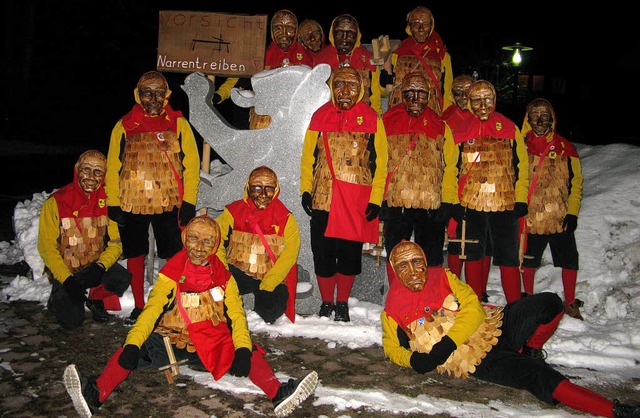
153	354
333	255
499	227
269	305
563	250
505	365
135	234
401	223
69	313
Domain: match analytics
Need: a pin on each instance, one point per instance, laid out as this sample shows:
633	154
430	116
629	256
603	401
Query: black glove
187	213
271	305
372	211
91	276
217	99
570	223
521	209
386	78
241	363
306	203
425	362
444	213
129	357
457	212
116	215
73	286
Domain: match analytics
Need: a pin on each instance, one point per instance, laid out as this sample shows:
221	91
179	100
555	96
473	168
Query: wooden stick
175	369
521	245
206	151
463	240
167	373
168	366
377	250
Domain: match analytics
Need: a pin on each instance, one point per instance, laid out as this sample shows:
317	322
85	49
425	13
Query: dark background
70	67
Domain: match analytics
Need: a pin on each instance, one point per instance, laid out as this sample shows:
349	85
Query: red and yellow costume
555	167
417	148
360	59
432	60
528	322
215	338
492	175
153	166
74	232
358	147
243	248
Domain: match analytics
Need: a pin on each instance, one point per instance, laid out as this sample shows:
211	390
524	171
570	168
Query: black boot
84	393
326	309
342	312
621	410
99	313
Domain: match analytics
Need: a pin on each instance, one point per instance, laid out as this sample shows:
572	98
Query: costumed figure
194	303
455	116
345	50
152	178
417	138
434	321
491	187
260	245
345	142
80	247
555	196
311	36
283	51
423	51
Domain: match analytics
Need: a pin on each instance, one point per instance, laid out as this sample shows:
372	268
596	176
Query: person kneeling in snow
196	303
80	247
433	320
260	243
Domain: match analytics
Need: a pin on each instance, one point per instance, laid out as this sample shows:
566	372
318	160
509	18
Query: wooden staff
206	151
463	240
524	232
377	250
171	369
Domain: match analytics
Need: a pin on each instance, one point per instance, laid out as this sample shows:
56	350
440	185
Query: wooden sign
211	43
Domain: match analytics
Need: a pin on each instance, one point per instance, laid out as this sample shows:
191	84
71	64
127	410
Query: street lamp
517	49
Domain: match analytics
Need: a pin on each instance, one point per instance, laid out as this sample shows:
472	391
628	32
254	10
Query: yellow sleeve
446	68
225	88
468	319
190	162
471	313
112	177
225	222
390	343
376	96
287	259
450	153
113	251
307	160
382	158
161	296
235	312
575	196
48	235
522	182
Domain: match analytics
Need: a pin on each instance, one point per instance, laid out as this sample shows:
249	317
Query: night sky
70	69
